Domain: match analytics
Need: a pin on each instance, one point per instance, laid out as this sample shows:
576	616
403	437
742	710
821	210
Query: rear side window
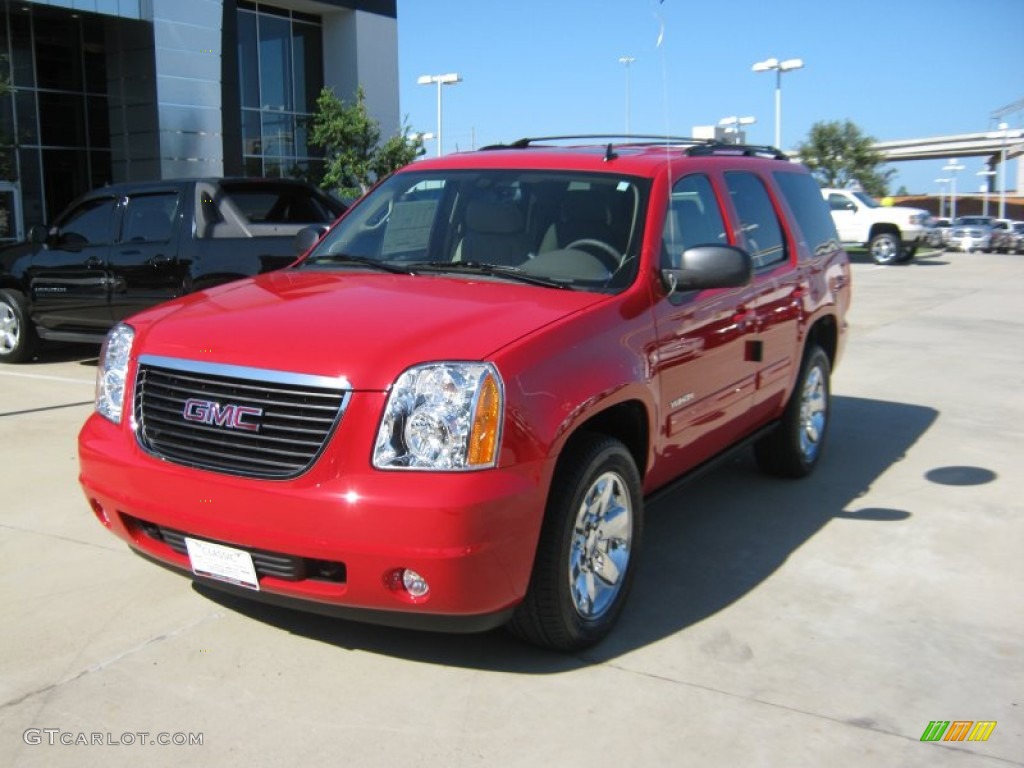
760	231
811	211
149	218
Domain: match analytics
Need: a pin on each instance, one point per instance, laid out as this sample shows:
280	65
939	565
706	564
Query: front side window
569	229
693	218
88	224
759	229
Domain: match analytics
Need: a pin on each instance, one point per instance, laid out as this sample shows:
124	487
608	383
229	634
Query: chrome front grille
235	420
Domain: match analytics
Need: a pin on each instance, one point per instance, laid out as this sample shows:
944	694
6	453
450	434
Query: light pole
953	166
984	190
449	79
1003	133
735	122
770	65
626	61
942	195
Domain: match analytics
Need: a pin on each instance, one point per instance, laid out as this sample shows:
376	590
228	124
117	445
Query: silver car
970	233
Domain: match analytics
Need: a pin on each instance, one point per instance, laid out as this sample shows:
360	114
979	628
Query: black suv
125	247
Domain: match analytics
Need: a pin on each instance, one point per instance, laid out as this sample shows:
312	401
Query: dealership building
101	91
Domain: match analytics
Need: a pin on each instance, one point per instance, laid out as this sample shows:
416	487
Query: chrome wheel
601	545
885	248
10	329
813	412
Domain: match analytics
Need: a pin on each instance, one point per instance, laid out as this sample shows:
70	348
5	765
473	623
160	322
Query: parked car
938	233
449	413
125	247
1007	236
970	233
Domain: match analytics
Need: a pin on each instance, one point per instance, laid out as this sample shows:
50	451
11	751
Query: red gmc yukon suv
449	413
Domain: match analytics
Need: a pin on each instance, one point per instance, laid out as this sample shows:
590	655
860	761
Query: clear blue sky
897	68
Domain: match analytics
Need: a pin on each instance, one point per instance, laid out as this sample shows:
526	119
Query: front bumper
969	243
344	530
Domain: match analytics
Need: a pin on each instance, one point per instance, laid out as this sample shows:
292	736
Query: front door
707	380
68	279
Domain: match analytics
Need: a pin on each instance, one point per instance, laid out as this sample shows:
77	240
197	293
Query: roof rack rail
628	139
749	150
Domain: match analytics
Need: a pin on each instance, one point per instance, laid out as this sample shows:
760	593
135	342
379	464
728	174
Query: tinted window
285	204
760	231
88	224
812	215
693	218
149	218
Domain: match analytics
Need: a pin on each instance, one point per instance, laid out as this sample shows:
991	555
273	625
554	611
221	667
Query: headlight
113	372
442	416
919	218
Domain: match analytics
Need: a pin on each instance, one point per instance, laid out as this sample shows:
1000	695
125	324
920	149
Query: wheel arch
627	421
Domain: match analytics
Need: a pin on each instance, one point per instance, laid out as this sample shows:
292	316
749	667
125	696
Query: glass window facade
54	114
280	66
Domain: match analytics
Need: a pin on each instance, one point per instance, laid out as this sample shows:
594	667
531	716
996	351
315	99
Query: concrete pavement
772	623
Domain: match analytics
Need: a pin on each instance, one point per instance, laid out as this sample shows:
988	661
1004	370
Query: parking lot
772	622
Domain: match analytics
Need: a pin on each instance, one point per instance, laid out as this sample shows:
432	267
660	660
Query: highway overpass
989	144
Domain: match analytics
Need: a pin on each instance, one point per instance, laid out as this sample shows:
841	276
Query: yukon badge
229	416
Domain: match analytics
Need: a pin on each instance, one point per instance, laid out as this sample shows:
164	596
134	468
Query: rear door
775	292
144	264
68	279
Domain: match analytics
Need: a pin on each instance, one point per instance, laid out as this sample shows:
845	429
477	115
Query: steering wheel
603	250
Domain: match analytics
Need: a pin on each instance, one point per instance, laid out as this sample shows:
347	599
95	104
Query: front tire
587	550
885	248
18	339
794	447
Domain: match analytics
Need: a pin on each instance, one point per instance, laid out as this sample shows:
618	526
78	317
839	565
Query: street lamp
942	195
953	166
770	65
984	189
1003	134
735	122
626	61
449	79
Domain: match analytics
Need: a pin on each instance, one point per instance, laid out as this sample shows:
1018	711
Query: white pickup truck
890	232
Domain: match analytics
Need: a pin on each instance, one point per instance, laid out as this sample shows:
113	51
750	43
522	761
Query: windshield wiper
490	270
347	258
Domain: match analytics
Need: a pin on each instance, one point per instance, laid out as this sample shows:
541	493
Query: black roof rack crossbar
748	150
693	147
627	139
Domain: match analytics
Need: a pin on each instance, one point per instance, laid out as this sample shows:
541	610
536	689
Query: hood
367	327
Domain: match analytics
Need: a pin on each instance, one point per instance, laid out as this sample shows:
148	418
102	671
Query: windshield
975	221
566	229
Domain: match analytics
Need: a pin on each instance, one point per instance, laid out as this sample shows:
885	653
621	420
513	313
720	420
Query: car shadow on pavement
66	352
708	544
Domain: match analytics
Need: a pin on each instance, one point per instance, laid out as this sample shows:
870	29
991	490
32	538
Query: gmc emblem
229	416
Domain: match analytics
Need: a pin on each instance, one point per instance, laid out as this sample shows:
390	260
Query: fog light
414	584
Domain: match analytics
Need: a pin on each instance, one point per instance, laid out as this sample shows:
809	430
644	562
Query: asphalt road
825	621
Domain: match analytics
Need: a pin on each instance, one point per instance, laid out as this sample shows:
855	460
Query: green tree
839	154
353	157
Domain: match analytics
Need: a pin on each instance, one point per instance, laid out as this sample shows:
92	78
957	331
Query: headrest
494	217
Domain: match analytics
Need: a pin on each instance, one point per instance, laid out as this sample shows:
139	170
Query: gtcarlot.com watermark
59	737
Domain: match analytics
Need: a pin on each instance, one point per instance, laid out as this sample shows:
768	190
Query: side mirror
37	234
709	266
307	237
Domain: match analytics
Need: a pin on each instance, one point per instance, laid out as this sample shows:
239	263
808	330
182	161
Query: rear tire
885	248
794	447
587	550
18	339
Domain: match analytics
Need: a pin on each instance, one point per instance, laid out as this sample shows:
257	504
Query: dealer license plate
216	561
